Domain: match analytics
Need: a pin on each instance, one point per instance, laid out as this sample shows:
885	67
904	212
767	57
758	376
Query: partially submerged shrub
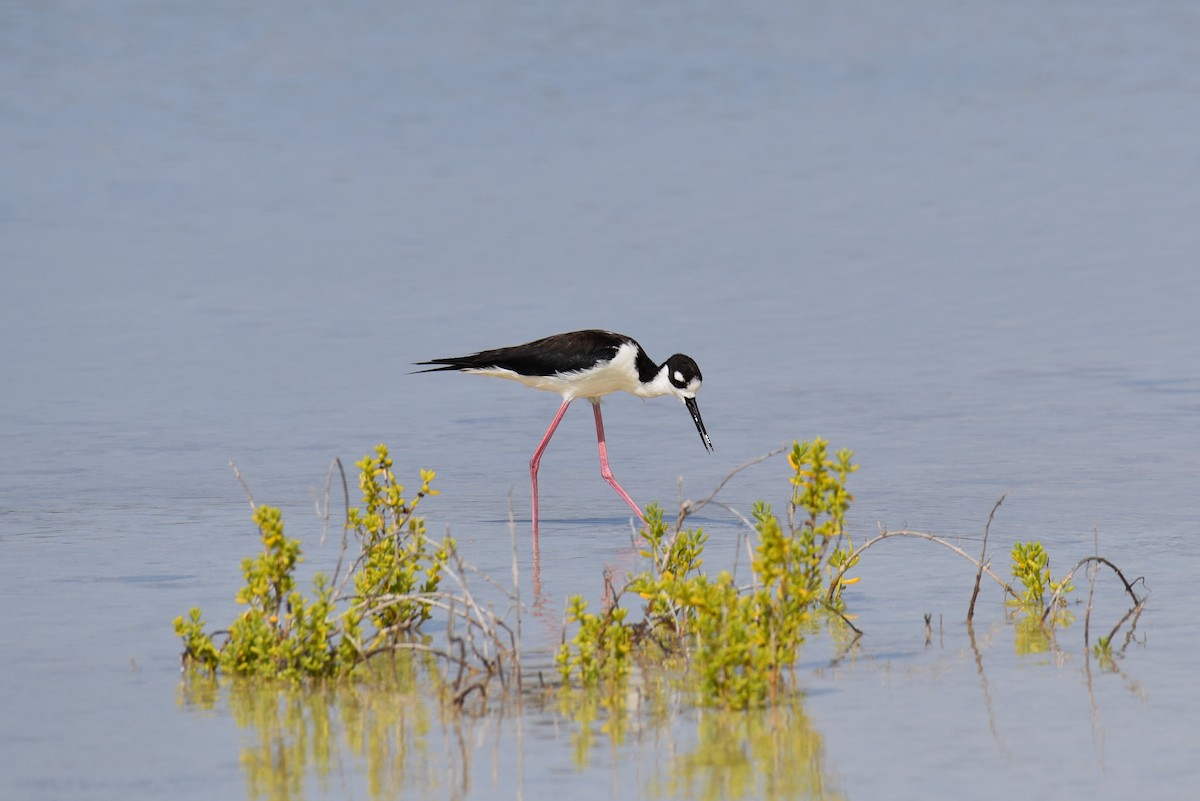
1041	594
399	568
740	641
732	645
281	633
286	634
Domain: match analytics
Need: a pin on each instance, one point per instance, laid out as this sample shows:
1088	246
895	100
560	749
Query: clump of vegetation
731	643
286	634
399	568
281	633
739	642
602	646
1041	595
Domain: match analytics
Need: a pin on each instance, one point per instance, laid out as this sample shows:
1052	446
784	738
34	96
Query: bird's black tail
440	365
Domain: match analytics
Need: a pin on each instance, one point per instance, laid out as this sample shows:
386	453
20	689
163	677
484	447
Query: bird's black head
683	374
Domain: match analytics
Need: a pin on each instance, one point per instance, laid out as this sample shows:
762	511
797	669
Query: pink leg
537	460
605	470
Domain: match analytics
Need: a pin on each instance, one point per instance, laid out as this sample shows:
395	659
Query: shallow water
959	241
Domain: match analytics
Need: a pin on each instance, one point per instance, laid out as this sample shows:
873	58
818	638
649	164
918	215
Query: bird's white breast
617	375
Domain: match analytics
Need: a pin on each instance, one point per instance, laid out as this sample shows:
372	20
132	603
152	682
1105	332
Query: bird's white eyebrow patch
678	377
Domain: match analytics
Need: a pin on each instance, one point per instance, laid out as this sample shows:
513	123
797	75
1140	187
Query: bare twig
337	462
1135	612
245	487
477	650
983	558
465	597
885	534
750	557
438	600
324	515
857	631
689	507
405	645
1098	560
1087	616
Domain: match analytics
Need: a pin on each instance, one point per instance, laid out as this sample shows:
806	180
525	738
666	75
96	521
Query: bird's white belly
618	375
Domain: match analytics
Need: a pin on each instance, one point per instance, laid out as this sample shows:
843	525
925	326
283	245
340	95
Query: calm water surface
960	242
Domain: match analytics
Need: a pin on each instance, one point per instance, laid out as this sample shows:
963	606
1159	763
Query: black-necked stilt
585	364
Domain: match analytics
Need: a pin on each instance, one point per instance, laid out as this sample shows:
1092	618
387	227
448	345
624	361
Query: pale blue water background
961	240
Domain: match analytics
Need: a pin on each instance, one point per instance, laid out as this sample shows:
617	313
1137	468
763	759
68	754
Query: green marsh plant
725	642
1040	596
396	585
739	642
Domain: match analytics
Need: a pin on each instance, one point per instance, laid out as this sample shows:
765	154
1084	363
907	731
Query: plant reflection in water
390	736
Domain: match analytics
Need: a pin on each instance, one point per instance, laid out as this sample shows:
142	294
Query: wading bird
585	364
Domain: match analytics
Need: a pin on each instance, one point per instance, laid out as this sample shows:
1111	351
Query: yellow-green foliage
740	641
399	561
671	586
285	634
819	493
603	644
281	633
734	645
1031	566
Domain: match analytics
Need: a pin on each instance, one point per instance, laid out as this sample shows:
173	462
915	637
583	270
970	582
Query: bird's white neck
661	385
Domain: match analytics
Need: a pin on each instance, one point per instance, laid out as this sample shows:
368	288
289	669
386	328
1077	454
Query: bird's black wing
560	353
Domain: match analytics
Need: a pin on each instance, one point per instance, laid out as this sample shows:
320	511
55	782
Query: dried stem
337	462
1056	598
689	507
245	487
1087	616
983	558
833	583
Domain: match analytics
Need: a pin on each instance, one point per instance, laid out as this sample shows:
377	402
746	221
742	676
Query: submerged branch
1098	560
1056	598
885	534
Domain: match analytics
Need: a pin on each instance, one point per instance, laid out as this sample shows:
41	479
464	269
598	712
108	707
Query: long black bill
695	410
